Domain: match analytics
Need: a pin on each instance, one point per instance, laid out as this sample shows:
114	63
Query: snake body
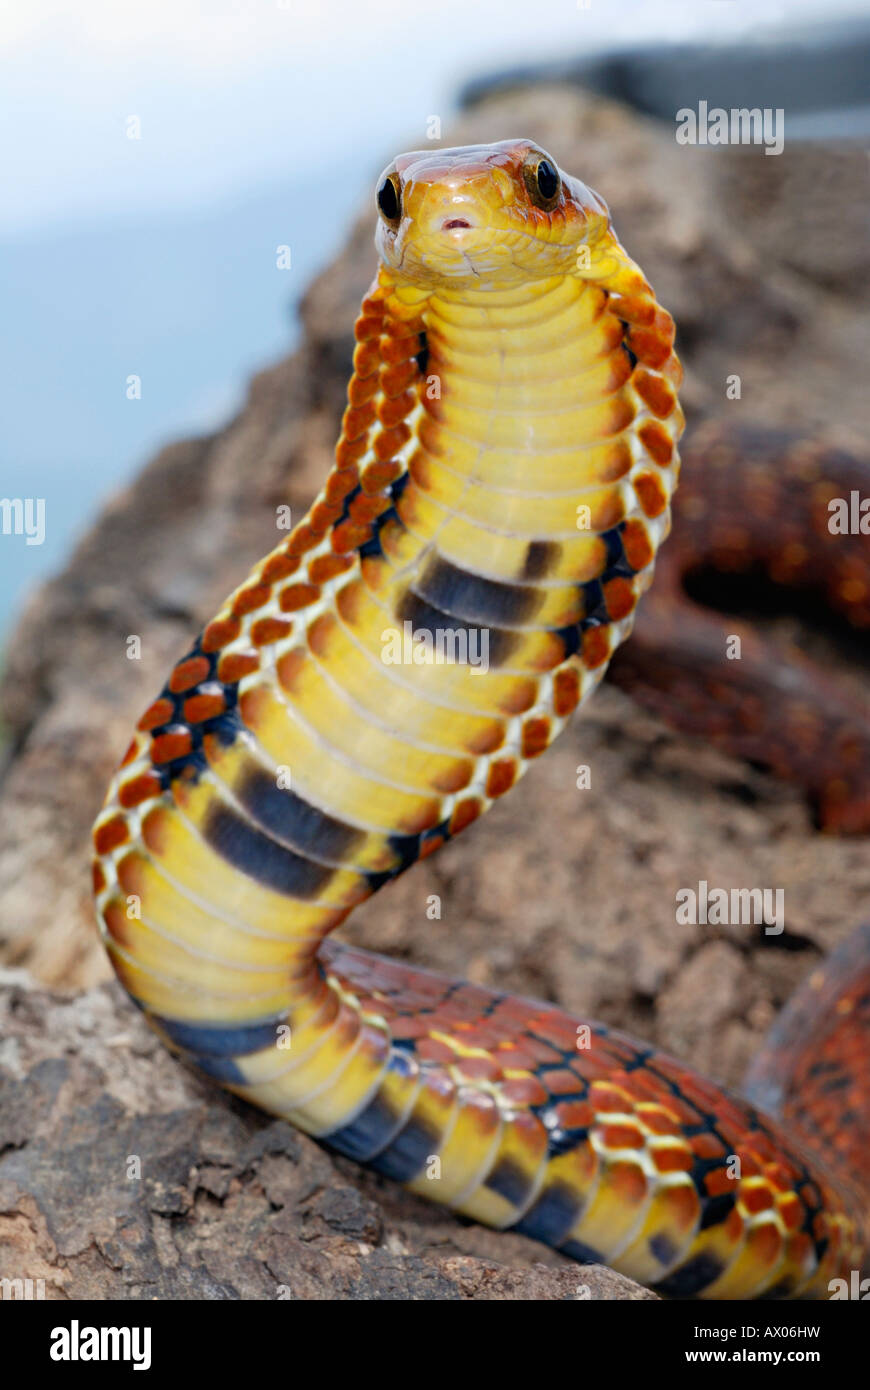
755	507
503	476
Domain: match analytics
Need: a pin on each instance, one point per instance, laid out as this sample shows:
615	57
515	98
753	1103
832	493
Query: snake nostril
452	223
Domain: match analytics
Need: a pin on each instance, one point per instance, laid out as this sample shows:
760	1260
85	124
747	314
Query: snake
754	518
501	486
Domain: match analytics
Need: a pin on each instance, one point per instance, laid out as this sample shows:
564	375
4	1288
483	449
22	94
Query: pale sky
230	93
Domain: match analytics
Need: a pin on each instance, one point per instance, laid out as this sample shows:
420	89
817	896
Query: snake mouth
455	223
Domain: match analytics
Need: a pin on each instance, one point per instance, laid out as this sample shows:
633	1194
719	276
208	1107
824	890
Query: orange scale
717	1183
634	308
369	326
754	1199
208	704
566	691
357	420
559	1031
672	1160
398	377
687	1114
729	1112
651	346
433	1050
304	537
781	1176
361	389
376	476
657	442
632	1083
279	566
188	673
406	1029
525	1090
366	359
655	392
348	536
501	777
429	846
365	508
595	647
622	1137
588	1066
619	597
638	547
234	665
607	1098
251	598
515	1058
690	1089
465	813
575	1114
765	1148
139	789
296	596
658	1120
321	517
478	1069
348	452
110	834
268	630
155	715
536	737
98	879
132	750
220	633
395	436
652	496
513	1011
175	743
749	1164
540	1051
398	346
734	1225
561	1082
707	1146
649	1089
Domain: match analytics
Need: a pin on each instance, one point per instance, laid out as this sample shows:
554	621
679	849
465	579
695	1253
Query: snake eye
390	199
542	181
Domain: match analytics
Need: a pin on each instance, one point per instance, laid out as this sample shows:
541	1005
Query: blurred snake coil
500	488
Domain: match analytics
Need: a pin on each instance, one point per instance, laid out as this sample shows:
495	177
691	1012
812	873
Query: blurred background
157	156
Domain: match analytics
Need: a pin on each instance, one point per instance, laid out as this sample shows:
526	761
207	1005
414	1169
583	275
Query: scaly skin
754	510
512	365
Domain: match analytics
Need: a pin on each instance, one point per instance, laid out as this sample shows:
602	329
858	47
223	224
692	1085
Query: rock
562	893
122	1175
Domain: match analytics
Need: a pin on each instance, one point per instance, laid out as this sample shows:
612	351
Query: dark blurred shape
817	75
751	546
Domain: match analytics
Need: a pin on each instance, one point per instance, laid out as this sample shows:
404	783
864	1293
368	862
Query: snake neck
503	474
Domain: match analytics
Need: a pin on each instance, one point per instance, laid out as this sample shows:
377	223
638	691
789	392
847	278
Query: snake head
485	215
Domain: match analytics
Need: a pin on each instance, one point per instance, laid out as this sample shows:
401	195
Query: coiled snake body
501	485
